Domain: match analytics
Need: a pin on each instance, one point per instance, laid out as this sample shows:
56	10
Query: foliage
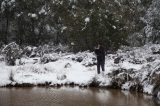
84	22
11	52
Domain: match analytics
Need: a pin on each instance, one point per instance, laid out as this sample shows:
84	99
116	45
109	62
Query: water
67	96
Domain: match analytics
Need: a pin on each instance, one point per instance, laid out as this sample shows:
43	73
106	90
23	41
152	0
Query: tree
84	22
7	15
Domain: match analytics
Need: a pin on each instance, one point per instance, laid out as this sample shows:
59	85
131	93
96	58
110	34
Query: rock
68	65
156	52
94	83
156	90
117	60
120	77
155	80
35	61
136	87
119	80
150	59
125	76
114	84
116	72
78	59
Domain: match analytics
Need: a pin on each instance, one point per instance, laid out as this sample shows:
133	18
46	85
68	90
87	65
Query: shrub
11	52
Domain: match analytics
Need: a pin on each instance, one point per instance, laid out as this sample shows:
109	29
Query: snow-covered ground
129	69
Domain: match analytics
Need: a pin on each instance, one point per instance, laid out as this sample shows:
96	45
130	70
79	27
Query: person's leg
102	66
98	67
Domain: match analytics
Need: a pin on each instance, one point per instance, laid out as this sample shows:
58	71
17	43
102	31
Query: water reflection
67	96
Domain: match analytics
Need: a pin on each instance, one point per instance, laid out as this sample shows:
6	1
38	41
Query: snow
128	65
158	95
63	28
6	3
43	11
50	72
5	74
114	27
87	19
116	1
80	69
148	89
33	15
126	86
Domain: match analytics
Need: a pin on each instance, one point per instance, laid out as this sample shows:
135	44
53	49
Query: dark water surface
67	96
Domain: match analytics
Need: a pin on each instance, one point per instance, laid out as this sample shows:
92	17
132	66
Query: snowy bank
129	69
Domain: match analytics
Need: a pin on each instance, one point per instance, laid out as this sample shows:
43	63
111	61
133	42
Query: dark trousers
100	65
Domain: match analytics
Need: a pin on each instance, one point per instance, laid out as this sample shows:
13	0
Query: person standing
100	53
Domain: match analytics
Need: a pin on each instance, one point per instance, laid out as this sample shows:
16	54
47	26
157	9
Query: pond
73	96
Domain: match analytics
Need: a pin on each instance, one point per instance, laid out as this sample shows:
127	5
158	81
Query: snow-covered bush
86	58
32	51
27	51
2	58
46	58
11	53
61	48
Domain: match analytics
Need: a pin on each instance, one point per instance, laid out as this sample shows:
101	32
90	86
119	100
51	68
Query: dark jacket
100	55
